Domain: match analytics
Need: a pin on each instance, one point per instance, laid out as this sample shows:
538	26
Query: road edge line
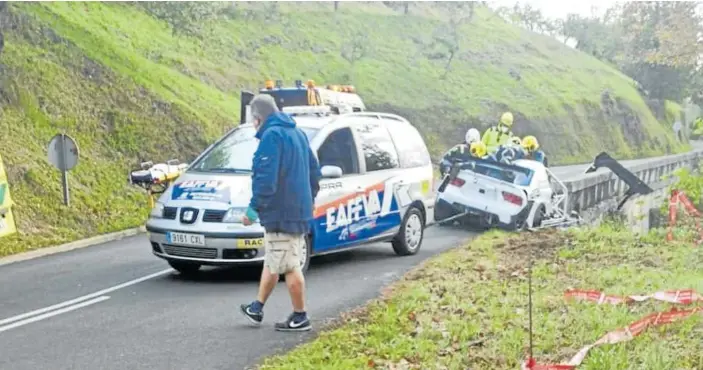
78	244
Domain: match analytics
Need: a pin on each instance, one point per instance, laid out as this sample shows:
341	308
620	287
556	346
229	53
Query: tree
662	46
528	17
593	35
184	17
356	47
663	33
397	5
446	39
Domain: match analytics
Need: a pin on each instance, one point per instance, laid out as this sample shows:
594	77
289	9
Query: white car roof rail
308	110
376	115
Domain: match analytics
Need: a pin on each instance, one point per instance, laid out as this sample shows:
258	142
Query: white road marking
83	298
53	313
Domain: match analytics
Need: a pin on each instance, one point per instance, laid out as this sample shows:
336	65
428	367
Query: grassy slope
467	308
128	90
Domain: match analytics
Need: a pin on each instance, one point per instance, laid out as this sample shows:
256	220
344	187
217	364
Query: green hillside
130	89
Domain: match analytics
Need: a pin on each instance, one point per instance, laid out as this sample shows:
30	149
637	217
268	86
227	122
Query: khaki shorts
282	252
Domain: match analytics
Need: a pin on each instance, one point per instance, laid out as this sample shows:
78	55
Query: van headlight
157	211
234	215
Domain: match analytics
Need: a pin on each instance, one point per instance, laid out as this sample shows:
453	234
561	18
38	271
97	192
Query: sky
560	8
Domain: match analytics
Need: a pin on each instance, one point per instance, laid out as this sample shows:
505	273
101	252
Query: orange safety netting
678	197
629	332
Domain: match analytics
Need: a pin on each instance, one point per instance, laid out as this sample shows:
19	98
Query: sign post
63	154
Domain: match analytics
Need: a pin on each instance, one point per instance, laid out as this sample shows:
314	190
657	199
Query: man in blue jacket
285	181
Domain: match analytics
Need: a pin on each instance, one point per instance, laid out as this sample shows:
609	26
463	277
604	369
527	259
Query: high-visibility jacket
494	138
458	153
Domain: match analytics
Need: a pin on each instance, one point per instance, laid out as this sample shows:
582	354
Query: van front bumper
220	248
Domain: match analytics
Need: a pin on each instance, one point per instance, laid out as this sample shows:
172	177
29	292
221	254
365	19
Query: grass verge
467	308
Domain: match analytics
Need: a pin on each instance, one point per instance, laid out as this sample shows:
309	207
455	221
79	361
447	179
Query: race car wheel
412	231
442	212
539	216
185	268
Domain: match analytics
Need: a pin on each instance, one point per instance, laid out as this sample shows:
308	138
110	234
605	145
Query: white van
376	186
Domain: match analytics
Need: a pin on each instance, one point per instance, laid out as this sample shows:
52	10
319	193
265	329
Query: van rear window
514	175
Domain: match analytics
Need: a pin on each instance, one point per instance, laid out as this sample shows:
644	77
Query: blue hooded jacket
286	177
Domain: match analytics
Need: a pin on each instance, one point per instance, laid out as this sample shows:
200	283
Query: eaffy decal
207	190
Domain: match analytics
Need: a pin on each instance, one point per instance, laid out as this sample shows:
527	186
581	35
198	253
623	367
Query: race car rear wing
635	185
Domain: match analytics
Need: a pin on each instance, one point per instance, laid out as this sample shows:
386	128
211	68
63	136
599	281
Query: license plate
250	243
185	239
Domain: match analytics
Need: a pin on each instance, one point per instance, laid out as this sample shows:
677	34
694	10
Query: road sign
63	154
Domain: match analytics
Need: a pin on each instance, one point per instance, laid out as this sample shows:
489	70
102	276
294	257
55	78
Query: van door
416	162
381	176
336	205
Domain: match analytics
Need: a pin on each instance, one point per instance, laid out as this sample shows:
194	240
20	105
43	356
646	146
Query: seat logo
188	216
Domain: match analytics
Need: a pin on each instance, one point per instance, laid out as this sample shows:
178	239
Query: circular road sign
63	152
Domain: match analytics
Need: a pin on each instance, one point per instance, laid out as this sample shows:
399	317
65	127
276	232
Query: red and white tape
621	335
686	296
677	197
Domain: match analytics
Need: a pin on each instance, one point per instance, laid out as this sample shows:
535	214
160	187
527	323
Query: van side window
411	147
379	151
339	150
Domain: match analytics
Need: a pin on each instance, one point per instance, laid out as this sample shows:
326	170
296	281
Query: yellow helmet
530	143
515	140
507	119
478	149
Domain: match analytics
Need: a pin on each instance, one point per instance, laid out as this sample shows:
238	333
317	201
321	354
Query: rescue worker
499	135
509	152
478	150
532	150
515	141
460	152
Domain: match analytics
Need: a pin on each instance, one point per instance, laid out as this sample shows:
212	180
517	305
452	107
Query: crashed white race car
522	195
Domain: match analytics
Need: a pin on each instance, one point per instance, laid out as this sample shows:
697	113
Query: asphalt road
115	306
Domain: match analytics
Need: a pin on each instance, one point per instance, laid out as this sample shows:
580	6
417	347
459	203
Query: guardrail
594	188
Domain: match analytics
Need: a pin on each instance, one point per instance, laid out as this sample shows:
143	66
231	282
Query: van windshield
235	153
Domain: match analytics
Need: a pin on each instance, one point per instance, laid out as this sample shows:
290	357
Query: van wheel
185	268
412	231
305	254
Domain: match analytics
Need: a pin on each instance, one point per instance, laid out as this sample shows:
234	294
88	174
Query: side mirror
331	172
